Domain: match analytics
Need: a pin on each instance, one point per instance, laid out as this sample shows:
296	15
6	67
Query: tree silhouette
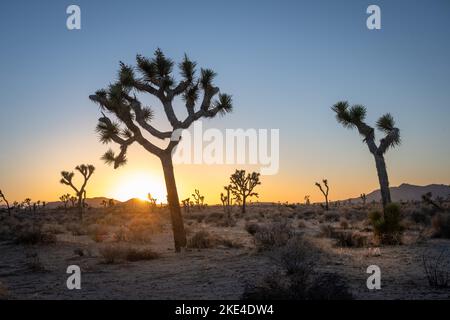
156	78
363	198
307	201
86	171
199	199
242	186
27	201
2	196
65	199
73	200
353	117
324	192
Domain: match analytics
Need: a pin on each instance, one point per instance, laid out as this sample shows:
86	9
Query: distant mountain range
409	192
92	202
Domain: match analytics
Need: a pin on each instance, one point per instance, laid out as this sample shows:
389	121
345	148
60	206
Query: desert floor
223	257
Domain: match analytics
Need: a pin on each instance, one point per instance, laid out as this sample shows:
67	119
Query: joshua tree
73	200
86	171
428	199
65	199
111	203
198	198
157	80
224	199
2	196
324	192
229	199
353	117
186	204
104	203
242	186
363	198
307	201
27	201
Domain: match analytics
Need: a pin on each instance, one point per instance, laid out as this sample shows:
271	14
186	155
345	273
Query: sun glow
139	186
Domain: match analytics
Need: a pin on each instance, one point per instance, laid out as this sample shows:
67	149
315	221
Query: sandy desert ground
127	253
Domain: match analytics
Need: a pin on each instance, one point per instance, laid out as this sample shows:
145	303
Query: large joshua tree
353	117
155	77
242	186
86	171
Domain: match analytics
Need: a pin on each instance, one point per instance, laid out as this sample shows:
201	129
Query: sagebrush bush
251	227
116	253
387	227
441	225
275	234
201	240
34	235
351	239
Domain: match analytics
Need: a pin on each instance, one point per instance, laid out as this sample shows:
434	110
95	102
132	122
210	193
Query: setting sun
139	185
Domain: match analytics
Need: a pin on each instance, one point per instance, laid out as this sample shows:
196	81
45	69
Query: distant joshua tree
86	171
156	78
65	199
104	203
27	201
242	186
199	199
111	203
307	201
353	117
2	196
363	198
73	200
428	199
186	205
324	192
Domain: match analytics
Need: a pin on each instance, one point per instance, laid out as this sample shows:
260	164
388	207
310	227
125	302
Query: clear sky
285	63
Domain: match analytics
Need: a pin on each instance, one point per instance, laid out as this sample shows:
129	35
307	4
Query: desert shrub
98	232
135	254
275	234
34	235
351	239
53	228
437	270
142	230
343	223
331	216
112	253
420	217
76	229
297	257
251	227
201	240
387	227
329	286
120	235
274	286
327	231
441	225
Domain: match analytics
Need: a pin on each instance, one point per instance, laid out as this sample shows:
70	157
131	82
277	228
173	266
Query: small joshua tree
86	171
111	203
156	78
307	201
65	199
199	199
363	198
324	192
229	199
152	201
104	203
27	201
73	200
242	186
2	196
186	205
353	117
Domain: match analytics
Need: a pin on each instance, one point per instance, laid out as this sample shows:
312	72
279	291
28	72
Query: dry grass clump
201	240
437	270
53	228
77	229
31	235
351	239
98	232
295	278
275	234
112	254
251	227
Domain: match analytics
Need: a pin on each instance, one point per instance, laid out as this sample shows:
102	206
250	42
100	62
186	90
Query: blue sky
284	62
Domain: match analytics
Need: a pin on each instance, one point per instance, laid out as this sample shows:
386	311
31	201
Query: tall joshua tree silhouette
86	171
156	78
353	117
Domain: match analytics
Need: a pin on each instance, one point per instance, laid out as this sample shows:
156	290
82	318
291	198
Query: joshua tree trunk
179	233
243	203
383	179
80	206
